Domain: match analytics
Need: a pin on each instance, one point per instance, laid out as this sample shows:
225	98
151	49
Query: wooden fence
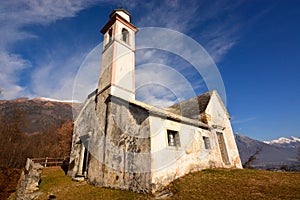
50	162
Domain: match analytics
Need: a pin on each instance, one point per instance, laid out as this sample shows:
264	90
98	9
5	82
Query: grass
56	185
238	184
207	184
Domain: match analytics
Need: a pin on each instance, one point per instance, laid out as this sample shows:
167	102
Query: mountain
274	154
34	128
55	100
292	142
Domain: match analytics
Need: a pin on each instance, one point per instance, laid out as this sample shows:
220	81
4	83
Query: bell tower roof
122	12
121	15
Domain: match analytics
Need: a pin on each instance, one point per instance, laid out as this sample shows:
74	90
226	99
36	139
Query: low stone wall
28	185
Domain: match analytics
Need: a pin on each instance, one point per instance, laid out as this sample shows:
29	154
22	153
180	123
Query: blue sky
255	45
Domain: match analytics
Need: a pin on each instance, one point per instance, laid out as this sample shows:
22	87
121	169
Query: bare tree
251	159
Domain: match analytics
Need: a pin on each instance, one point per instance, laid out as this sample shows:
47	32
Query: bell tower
118	56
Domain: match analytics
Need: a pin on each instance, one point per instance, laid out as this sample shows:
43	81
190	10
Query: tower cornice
117	17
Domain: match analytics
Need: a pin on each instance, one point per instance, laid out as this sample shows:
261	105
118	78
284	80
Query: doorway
223	149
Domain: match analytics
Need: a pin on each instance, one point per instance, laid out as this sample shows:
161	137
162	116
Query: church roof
193	107
188	112
164	113
155	111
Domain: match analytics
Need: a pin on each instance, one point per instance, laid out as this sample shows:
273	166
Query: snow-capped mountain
55	100
292	142
273	154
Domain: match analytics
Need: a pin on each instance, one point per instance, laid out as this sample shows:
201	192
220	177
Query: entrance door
223	148
85	162
84	156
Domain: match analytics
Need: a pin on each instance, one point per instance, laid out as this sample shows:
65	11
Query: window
110	35
125	35
206	142
173	138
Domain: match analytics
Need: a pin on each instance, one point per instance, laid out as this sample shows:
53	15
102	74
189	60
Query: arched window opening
125	35
110	35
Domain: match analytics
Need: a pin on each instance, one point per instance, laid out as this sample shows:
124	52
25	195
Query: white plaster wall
169	163
122	93
218	117
118	60
124	67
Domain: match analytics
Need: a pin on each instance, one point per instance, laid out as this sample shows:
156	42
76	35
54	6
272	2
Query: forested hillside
34	128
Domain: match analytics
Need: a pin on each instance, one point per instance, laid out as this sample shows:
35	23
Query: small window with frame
206	142
173	138
125	35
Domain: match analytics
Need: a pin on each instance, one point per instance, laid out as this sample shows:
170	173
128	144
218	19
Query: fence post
46	160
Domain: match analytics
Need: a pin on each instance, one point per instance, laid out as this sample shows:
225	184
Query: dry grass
238	184
56	185
208	184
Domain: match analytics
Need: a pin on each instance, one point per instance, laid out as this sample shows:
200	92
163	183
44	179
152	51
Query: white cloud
54	77
15	15
176	15
219	38
185	48
241	121
88	74
11	66
213	23
161	85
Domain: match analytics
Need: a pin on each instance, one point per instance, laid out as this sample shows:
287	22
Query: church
122	143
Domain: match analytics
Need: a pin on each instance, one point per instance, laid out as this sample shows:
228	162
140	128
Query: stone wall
118	143
127	147
28	185
87	134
